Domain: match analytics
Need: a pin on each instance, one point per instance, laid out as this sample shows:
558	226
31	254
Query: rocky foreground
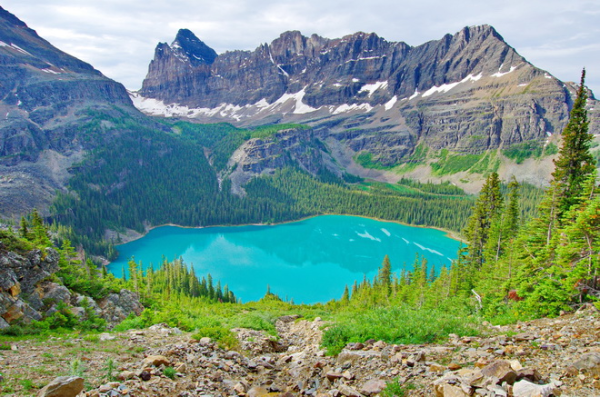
540	358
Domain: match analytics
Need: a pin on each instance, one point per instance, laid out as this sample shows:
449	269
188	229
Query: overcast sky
118	37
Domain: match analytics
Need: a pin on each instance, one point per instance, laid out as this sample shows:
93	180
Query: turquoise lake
308	261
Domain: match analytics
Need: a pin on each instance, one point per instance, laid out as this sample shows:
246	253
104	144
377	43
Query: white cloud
119	36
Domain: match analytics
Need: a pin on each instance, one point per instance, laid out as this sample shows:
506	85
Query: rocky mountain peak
478	32
21	45
293	43
194	48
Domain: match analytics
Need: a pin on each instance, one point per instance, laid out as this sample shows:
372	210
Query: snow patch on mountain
371	88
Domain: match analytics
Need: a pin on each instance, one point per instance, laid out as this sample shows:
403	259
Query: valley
460	134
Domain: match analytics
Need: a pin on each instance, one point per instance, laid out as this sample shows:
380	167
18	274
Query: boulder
348	391
116	307
373	386
155	361
500	369
524	388
63	386
448	390
56	293
589	362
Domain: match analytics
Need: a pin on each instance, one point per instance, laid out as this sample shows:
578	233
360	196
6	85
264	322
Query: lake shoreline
132	235
326	252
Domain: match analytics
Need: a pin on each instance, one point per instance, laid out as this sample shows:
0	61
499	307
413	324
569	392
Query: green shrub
109	369
224	337
524	150
169	372
365	159
396	389
259	322
27	384
77	368
396	325
452	163
131	322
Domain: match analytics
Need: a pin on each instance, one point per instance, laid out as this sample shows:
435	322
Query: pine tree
24	229
346	295
486	211
40	231
575	162
577	259
384	276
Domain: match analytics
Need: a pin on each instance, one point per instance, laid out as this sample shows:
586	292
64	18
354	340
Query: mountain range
468	93
447	110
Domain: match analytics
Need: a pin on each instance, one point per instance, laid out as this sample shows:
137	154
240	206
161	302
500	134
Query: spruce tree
346	295
385	272
486	211
575	162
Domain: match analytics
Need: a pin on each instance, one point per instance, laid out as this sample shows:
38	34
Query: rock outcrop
296	147
28	292
39	86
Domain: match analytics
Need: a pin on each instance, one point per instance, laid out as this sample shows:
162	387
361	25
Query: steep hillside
44	95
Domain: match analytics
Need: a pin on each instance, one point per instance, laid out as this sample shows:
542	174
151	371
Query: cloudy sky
118	37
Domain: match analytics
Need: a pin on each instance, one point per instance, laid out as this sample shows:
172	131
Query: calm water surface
308	261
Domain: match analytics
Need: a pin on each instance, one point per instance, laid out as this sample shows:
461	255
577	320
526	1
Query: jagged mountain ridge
467	92
342	66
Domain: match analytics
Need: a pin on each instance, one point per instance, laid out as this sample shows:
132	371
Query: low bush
395	325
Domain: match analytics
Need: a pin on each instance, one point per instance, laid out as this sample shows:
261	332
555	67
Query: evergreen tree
384	276
574	162
486	211
24	229
346	295
39	230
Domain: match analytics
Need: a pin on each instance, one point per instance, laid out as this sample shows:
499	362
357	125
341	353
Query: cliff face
467	92
27	292
296	147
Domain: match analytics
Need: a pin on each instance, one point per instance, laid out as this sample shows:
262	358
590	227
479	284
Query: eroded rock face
47	98
38	84
19	275
296	147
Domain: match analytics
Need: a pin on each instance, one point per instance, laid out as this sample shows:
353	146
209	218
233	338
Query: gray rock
116	307
56	293
589	361
348	391
373	386
524	388
63	386
336	74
